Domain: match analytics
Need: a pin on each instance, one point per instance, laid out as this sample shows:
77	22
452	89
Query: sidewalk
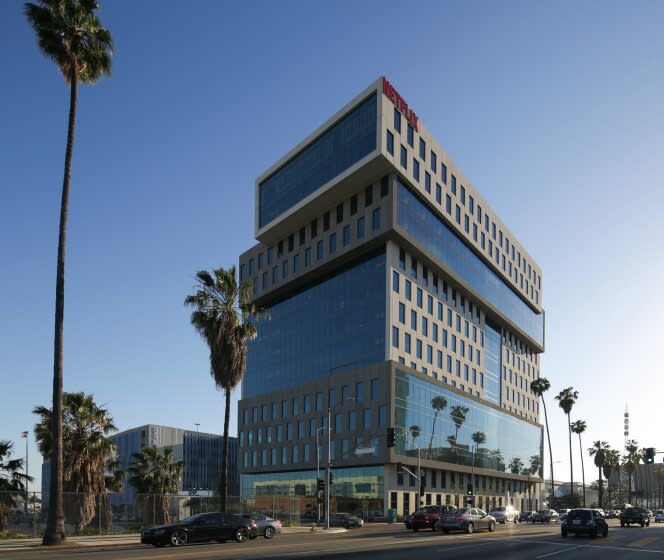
128	540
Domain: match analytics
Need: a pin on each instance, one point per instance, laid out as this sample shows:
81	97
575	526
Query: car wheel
178	538
241	535
346	525
643	524
492	527
269	532
563	534
469	528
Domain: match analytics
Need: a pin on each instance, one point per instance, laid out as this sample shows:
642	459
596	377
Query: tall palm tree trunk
223	489
601	488
548	438
583	473
433	431
55	524
571	466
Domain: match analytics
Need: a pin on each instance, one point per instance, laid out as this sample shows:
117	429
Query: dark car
202	527
427	517
545	516
635	516
526	515
345	520
408	520
466	519
267	526
584	522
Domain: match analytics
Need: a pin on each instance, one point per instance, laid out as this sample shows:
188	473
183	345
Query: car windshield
461	511
499	509
431	509
579	514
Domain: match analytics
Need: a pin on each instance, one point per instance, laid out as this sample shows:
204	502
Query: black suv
635	516
584	522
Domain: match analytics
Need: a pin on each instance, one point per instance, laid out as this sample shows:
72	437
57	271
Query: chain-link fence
24	515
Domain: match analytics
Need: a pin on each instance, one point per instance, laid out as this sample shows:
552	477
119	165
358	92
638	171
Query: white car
659	516
505	514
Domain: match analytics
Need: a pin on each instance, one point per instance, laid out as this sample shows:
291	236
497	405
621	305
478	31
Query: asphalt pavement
392	542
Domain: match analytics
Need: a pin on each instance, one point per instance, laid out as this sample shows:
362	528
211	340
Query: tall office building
397	298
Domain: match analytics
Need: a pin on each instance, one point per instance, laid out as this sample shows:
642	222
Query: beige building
397	299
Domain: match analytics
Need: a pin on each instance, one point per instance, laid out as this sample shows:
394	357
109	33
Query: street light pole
27	474
329	464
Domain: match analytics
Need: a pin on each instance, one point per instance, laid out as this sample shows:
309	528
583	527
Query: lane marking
643	541
559	551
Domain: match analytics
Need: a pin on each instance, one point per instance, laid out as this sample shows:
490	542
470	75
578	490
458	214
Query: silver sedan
466	519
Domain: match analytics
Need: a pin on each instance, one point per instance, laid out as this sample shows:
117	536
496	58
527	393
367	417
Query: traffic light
469	489
650	455
390	437
320	485
331	478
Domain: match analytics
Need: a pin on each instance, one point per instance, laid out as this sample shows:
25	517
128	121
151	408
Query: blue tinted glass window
395	281
507	437
296	264
360	228
439	194
423	149
390	142
395	337
375	219
416	169
406	342
346	236
448	204
410	135
427	181
413	320
404	157
307	256
342	145
408	289
319	250
434	161
333	243
397	120
402	313
418	346
453	185
328	327
375	384
424	227
419	297
443	172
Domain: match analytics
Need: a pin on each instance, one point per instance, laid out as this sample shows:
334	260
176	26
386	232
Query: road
392	542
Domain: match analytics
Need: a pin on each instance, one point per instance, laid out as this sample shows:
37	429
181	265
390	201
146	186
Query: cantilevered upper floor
375	136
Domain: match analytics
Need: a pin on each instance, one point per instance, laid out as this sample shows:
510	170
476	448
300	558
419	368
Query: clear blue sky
553	110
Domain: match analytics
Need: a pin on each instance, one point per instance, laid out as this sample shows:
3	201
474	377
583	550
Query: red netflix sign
399	102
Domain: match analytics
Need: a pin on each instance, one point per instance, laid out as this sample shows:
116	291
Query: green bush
4	535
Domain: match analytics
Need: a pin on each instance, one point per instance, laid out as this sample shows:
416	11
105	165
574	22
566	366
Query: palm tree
540	386
88	452
533	468
478	438
516	465
611	463
71	35
155	475
579	427
438	403
12	481
631	459
415	432
599	451
566	399
458	415
224	317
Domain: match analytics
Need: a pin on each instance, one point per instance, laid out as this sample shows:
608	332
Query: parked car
267	526
526	516
466	519
659	516
426	517
600	511
562	514
505	514
635	516
345	520
202	527
407	520
545	516
584	522
651	515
